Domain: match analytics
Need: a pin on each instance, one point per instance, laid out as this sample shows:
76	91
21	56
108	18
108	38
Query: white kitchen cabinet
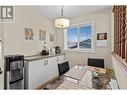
60	59
35	74
51	68
40	71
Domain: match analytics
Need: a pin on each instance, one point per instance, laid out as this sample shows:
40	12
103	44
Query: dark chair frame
63	67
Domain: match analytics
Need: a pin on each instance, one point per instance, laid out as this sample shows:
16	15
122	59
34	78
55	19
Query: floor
54	85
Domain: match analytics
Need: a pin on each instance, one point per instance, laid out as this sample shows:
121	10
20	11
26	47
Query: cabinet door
60	59
36	74
41	71
51	69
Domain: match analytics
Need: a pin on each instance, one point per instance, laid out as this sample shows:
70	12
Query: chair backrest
63	67
96	62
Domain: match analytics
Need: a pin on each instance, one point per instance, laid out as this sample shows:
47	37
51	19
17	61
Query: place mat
69	85
75	73
87	79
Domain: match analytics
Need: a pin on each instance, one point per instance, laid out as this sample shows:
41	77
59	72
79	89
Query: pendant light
62	22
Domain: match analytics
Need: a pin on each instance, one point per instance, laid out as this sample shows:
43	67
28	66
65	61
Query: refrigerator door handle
0	71
16	80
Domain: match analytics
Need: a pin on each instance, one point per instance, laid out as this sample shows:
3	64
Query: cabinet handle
57	59
44	62
0	71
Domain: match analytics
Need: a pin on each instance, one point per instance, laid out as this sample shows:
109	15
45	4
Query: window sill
80	51
121	61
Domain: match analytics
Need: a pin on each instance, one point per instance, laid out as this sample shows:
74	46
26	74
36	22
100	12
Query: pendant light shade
62	22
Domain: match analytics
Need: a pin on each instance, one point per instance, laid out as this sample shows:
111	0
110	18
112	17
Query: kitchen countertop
37	57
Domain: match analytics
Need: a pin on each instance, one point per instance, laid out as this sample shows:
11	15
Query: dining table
87	77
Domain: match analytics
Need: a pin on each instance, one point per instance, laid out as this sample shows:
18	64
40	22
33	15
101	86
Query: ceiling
53	12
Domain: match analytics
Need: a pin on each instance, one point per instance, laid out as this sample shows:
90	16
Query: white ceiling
54	12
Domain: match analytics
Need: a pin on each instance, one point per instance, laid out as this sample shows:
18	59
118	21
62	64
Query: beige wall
1	56
102	23
14	40
1	30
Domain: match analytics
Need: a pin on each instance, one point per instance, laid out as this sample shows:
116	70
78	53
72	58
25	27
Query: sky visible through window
85	33
72	35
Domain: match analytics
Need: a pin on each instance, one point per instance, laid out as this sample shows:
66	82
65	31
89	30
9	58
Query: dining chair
95	62
63	67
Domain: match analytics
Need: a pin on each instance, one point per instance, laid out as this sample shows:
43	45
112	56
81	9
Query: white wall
102	24
14	40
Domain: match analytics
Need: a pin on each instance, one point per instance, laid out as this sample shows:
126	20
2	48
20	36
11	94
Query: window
79	37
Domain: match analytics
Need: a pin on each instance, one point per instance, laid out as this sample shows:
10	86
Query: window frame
91	23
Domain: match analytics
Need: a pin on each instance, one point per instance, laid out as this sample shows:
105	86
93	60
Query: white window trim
66	49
